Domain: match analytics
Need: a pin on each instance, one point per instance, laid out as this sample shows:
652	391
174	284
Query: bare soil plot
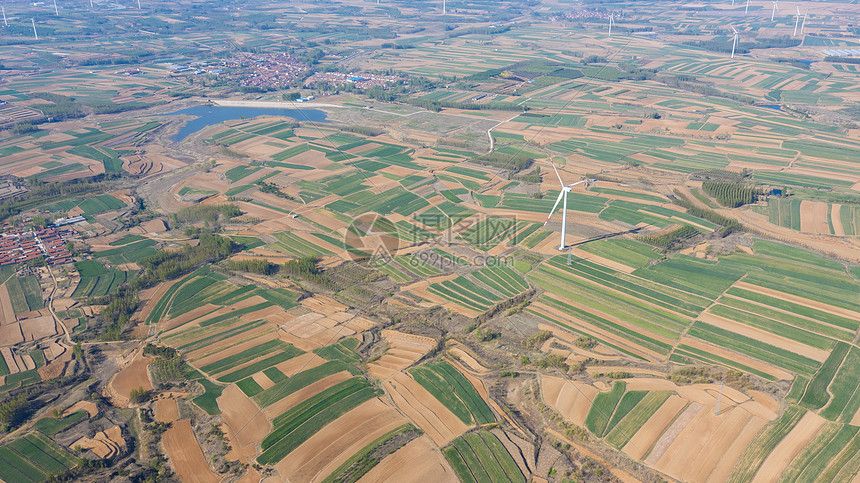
416	462
469	361
244	425
166	410
403	351
89	406
330	447
187	317
790	446
424	409
105	444
38	327
131	377
7	315
11	334
185	454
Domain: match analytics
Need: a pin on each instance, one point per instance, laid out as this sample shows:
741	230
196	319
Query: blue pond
209	115
771	106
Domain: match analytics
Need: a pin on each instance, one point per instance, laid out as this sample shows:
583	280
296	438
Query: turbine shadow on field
603	237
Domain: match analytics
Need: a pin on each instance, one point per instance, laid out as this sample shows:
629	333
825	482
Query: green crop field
480	456
628	424
33	458
764	443
343	351
287	386
454	391
602	409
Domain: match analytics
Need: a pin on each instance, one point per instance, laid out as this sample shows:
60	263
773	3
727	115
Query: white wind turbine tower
796	22
56	10
36	34
4	17
138	5
747	9
734	41
444	8
773	12
611	21
804	21
564	191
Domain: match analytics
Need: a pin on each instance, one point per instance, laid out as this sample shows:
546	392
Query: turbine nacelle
565	189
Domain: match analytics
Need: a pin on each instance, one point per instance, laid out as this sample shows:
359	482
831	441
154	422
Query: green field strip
753	348
416	266
161	306
51	448
795	308
388	268
285	355
627	252
609	304
51	426
816	396
234	314
284	388
836	464
300	426
786	318
764	443
602	408
487	279
343	351
474	470
497	468
774	327
627	403
629	425
35	456
439	388
208	338
246	355
208	401
249	386
453	297
825	446
464	390
15	468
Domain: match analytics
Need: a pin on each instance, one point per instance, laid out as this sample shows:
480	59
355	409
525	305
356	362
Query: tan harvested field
470	362
105	444
403	351
790	446
132	376
38	327
187	317
90	407
330	447
571	399
813	217
641	442
244	425
185	454
11	334
166	410
423	409
418	461
230	350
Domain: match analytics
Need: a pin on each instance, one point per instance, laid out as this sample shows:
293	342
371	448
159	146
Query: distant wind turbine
138	5
747	9
611	21
804	21
565	189
734	41
796	22
56	10
773	12
4	17
36	34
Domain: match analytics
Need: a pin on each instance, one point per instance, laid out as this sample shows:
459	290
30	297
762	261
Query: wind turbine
56	10
796	22
773	12
36	34
565	189
611	21
4	17
138	5
747	9
734	41
804	21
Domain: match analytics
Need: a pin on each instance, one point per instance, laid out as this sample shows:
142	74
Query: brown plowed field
7	315
836	219
216	347
419	461
187	317
789	447
185	454
234	349
425	410
330	447
241	415
644	439
813	217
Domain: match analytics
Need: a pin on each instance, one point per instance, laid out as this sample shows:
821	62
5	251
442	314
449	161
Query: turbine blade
557	201
558	175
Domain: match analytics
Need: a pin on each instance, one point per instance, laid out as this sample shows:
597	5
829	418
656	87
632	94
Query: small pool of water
771	106
209	115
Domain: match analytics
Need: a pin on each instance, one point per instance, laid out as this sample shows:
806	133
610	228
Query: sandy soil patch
151	298
763	336
216	347
467	360
244	425
105	444
297	364
11	334
166	410
286	403
571	399
813	217
132	376
789	447
403	351
416	462
671	433
323	305
424	409
330	447
185	454
38	327
89	406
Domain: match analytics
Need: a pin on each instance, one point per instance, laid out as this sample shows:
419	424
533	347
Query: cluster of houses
24	246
